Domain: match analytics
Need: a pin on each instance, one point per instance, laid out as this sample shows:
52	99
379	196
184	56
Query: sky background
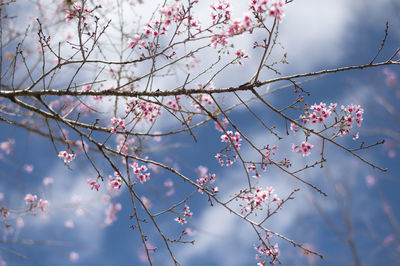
316	35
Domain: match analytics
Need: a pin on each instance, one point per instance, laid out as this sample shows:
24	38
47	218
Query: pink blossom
73	256
277	10
370	180
28	168
69	224
140	172
67	157
43	204
30	199
114	183
180	220
303	149
111	212
117	123
224	123
293	127
47	181
7	146
93	184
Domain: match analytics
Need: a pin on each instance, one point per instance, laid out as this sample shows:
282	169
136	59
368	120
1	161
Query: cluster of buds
75	12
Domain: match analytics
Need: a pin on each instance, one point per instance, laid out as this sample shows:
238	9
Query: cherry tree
117	88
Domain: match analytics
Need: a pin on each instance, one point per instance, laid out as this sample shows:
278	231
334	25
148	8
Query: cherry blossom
93	184
141	172
7	146
47	181
43	204
67	157
30	199
111	212
117	123
186	214
304	148
114	183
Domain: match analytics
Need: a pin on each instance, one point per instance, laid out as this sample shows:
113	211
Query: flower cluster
277	10
143	110
224	123
6	146
75	12
125	144
241	53
344	119
220	11
228	161
175	13
111	212
207	180
186	214
136	40
303	149
266	159
352	113
31	201
239	26
174	104
268	251
114	183
260	7
255	201
117	123
320	113
140	172
234	143
93	183
67	157
202	99
231	138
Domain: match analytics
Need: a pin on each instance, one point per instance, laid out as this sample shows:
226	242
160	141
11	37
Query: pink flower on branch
93	184
66	157
304	148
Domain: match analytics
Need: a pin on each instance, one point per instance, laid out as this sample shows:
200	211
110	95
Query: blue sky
316	35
